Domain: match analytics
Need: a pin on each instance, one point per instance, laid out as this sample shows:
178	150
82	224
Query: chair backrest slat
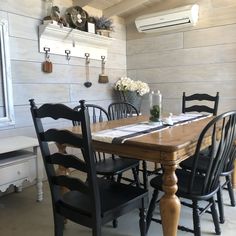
71	183
61	137
187	101
71	161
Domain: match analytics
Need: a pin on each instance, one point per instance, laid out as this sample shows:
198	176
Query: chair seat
114	196
202	164
111	166
183	184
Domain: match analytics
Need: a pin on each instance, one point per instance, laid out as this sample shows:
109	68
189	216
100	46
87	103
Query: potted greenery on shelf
103	25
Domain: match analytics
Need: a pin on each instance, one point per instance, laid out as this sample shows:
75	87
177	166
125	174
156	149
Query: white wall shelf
59	39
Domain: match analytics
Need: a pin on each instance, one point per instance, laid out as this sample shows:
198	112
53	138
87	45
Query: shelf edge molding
61	39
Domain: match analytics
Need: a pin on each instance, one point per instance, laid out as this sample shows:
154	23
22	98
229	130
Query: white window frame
8	119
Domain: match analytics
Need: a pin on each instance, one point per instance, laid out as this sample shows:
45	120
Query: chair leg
196	219
151	208
145	175
230	190
220	205
119	178
58	224
142	220
97	231
115	223
215	216
136	178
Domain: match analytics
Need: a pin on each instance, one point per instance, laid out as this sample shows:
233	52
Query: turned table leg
169	203
62	170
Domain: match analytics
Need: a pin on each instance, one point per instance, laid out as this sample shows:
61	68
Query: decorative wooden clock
76	17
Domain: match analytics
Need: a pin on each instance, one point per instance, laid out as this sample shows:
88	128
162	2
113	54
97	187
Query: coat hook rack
68	52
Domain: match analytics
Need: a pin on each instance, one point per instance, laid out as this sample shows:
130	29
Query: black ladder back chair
120	110
197	187
193	103
109	166
88	201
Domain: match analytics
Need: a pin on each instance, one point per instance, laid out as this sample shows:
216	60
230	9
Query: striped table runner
123	133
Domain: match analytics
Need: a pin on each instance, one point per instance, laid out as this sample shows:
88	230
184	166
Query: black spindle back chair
89	201
195	186
120	110
109	165
96	114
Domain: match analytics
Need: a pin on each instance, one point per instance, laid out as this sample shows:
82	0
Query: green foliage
155	113
103	23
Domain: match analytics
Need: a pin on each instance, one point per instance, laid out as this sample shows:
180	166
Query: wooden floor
21	215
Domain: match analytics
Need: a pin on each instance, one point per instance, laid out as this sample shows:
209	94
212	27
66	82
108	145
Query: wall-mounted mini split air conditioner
170	19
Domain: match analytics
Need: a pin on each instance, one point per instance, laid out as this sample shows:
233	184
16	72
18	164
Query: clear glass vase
155	99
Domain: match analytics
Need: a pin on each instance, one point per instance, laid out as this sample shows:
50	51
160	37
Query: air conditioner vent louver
183	16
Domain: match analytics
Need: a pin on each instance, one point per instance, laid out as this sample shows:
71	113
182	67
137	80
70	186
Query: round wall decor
76	17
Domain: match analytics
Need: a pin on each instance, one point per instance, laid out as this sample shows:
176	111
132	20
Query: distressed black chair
88	201
226	174
228	169
109	166
197	187
197	103
120	110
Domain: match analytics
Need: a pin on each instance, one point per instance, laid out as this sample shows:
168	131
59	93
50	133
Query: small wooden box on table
19	162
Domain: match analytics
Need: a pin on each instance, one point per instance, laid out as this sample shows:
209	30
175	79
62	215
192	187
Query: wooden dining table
168	147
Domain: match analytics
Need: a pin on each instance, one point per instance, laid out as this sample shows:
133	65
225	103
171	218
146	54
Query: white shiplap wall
65	84
198	59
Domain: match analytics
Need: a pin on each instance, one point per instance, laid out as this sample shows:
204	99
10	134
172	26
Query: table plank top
169	145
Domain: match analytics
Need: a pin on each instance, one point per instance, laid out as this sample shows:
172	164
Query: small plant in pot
103	25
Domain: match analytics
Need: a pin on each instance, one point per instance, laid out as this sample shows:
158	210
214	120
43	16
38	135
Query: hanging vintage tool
47	64
87	84
103	78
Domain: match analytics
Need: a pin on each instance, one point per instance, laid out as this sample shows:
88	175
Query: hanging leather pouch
47	66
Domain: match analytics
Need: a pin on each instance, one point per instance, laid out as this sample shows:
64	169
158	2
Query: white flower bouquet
127	84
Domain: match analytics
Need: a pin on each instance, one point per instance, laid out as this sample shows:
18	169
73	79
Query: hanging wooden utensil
47	64
103	78
87	84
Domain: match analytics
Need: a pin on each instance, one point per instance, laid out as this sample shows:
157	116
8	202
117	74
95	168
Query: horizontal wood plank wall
195	59
65	84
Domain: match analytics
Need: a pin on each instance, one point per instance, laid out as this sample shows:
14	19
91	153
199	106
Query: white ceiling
123	8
